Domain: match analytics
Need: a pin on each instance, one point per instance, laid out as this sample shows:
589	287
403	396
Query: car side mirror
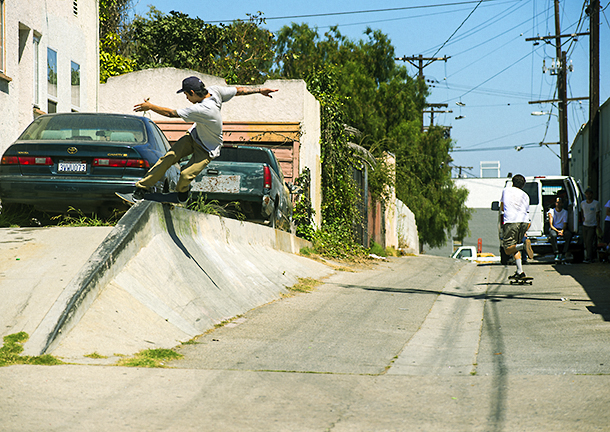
495	205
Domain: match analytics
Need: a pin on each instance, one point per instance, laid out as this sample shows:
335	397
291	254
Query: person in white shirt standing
515	204
592	222
203	140
558	221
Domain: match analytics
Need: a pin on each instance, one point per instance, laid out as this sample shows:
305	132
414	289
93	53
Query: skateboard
526	280
163	198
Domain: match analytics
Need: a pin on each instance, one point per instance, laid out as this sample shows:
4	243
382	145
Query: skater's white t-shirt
207	130
516	205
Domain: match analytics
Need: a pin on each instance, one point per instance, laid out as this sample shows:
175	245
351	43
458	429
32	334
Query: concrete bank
163	276
36	264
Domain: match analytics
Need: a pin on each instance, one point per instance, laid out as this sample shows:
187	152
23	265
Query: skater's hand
267	92
144	106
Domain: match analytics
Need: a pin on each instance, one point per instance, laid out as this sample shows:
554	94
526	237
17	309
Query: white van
543	190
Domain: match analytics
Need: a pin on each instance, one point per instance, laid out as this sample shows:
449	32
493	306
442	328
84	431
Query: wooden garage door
282	138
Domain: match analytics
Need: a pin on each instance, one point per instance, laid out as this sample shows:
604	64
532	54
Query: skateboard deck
168	198
526	280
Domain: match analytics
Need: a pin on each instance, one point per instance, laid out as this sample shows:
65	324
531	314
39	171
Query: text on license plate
217	184
72	167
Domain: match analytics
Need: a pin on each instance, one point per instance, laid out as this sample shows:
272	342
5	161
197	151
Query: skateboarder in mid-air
203	140
515	205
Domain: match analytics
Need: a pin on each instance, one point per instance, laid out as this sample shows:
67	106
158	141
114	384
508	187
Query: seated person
558	227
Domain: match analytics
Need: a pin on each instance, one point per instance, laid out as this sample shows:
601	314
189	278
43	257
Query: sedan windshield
86	127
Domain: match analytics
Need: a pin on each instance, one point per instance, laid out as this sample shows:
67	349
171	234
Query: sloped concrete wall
174	276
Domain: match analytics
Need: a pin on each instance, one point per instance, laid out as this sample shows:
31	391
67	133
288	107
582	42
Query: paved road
419	343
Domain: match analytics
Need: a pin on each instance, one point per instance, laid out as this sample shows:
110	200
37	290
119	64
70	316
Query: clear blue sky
492	70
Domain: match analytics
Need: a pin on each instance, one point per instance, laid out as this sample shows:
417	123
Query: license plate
217	184
72	167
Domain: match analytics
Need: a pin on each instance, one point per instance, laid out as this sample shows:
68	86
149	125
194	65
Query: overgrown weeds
304	285
28	216
151	358
76	218
213	207
13	347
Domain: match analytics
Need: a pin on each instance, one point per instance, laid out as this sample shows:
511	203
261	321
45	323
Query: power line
368	11
499	17
457	29
492	77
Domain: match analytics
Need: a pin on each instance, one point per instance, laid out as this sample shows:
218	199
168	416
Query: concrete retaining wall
164	276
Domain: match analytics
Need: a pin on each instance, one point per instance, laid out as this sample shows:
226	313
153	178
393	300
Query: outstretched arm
242	91
146	106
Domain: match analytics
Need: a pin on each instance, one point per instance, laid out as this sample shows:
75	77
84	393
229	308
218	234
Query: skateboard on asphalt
163	198
526	280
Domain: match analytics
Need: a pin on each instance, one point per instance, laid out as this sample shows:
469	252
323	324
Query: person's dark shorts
513	233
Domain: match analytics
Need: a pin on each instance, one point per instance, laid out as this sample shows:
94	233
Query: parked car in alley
252	177
80	160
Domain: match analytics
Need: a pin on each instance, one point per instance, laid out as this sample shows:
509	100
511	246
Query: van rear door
575	196
536	212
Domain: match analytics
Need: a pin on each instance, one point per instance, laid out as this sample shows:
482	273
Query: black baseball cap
191	83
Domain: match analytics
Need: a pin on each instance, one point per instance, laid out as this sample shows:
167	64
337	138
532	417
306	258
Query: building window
75	77
52	72
2	47
51	106
36	41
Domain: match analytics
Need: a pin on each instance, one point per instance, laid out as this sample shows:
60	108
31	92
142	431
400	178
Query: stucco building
49	61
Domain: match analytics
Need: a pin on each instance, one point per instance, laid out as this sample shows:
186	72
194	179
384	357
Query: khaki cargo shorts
513	233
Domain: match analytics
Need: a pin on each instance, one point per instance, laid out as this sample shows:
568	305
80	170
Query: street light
541	113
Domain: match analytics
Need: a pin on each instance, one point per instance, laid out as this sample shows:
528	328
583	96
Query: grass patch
17	215
13	347
95	355
76	218
377	249
304	285
151	358
213	207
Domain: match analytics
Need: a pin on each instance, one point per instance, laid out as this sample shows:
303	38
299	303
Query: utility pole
593	11
431	111
561	71
562	96
418	62
460	168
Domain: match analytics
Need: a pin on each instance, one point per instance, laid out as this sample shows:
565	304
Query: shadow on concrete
172	233
595	280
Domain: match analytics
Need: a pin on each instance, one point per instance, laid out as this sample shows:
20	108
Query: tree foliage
241	52
113	28
385	104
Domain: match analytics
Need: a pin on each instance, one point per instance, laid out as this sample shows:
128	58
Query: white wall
406	228
73	37
482	191
291	103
